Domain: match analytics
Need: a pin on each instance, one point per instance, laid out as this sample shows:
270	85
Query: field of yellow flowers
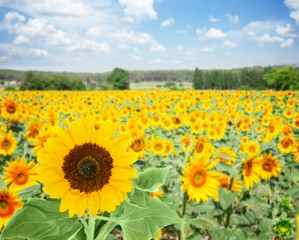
149	164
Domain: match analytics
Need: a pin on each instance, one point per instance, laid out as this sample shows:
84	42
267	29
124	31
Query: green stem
229	211
182	226
91	225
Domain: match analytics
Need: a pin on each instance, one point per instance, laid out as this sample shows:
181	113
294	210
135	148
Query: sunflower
286	145
20	175
9	203
231	155
158	147
203	147
252	148
269	165
199	182
42	137
158	193
296	152
86	168
138	146
225	181
9	109
7	144
251	172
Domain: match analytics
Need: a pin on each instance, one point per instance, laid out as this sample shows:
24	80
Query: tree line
285	78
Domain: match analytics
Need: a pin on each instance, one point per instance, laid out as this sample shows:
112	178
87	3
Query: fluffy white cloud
287	44
294	5
158	48
208	49
266	38
215	33
229	44
198	31
231	18
167	22
38	52
140	10
87	45
212	19
132	37
180	47
10	16
21	39
286	31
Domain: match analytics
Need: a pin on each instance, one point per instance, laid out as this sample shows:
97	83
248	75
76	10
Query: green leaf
202	207
226	198
239	220
224	234
205	222
2	183
28	192
41	220
152	178
141	223
256	204
294	191
266	225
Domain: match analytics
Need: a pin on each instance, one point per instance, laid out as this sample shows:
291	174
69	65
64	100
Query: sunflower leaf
226	198
151	179
141	223
41	220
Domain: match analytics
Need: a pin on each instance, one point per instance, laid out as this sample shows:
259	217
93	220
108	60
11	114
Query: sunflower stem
182	226
230	208
91	225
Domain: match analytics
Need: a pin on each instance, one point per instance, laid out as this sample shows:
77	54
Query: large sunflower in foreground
199	182
86	168
20	175
9	203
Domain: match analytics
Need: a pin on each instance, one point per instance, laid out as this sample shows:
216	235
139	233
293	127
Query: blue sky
97	36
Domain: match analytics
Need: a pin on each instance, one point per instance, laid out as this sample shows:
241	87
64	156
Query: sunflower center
11	108
88	167
285	143
3	205
5	144
137	145
251	149
248	168
267	165
158	147
199	147
20	177
199	177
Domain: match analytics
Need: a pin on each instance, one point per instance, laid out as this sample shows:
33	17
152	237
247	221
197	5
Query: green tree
77	84
197	80
283	78
119	78
33	82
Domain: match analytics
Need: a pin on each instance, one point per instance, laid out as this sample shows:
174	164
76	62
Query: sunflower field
153	164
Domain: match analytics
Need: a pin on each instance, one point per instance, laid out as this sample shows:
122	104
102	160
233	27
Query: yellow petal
66	138
78	130
126	159
56	189
124	185
119	145
93	202
56	145
70	201
123	173
49	174
50	159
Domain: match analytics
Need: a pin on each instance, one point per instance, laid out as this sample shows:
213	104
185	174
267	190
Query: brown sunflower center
3	205
87	167
137	145
248	168
158	146
199	177
6	206
6	144
199	147
20	177
268	165
252	149
11	108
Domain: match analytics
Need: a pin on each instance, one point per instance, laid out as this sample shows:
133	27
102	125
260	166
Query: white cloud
208	49
38	52
21	39
189	53
167	22
181	31
212	19
140	10
294	5
286	31
132	37
155	61
87	45
180	47
266	38
287	44
158	48
3	58
215	33
135	57
229	44
10	16
233	19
